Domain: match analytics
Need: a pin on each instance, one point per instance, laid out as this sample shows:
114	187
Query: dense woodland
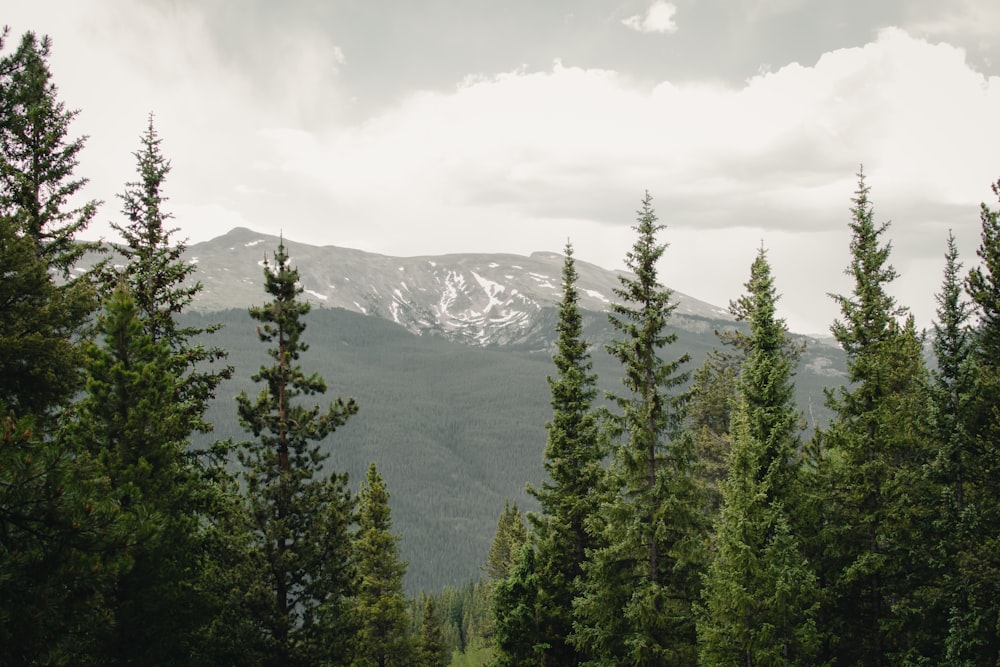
686	519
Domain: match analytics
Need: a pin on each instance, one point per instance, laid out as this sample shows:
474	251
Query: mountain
476	299
448	358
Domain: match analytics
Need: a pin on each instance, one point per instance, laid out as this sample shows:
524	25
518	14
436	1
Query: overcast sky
414	127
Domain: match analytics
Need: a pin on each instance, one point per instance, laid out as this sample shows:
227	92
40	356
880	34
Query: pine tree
130	421
299	514
511	534
974	628
37	158
878	440
643	577
62	538
761	596
952	387
953	377
163	604
432	649
518	634
707	421
162	282
41	320
383	637
573	456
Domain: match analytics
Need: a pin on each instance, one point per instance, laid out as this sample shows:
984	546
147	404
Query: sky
420	127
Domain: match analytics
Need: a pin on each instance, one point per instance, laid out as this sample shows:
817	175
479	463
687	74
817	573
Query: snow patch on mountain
596	295
318	295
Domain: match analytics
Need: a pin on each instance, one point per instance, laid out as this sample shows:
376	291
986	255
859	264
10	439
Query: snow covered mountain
477	299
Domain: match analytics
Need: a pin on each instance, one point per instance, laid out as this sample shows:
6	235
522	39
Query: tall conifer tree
760	594
974	629
643	578
511	534
40	367
62	537
879	436
128	420
165	594
432	650
518	634
162	282
299	513
568	498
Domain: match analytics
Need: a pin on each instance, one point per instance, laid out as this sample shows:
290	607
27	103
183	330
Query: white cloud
659	18
519	161
568	151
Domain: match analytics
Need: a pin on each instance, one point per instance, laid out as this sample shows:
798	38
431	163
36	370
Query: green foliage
518	634
64	539
431	648
511	534
574	452
130	421
37	158
878	500
39	319
761	596
162	282
643	577
708	416
501	562
466	613
299	515
379	605
974	622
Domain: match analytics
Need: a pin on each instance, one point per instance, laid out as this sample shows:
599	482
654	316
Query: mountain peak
476	298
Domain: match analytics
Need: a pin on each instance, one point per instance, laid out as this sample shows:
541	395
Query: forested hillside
454	429
246	486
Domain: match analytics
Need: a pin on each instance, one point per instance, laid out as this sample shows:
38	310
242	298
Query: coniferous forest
687	519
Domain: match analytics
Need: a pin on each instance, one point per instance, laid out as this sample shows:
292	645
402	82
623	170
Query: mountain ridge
476	298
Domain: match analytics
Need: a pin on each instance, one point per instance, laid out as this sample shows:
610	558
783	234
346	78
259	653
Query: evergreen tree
573	455
511	534
761	596
707	421
383	637
37	158
163	604
130	421
643	577
518	634
974	626
62	539
162	282
432	649
874	547
41	320
951	405
299	515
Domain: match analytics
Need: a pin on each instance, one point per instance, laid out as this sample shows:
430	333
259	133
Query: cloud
962	18
659	18
518	161
521	160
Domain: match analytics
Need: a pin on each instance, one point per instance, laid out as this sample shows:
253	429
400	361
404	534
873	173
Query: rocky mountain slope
477	299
